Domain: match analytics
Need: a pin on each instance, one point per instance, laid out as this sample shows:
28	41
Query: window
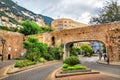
65	21
65	25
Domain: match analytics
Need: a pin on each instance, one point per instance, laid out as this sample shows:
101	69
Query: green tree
35	49
87	49
56	53
74	51
62	46
29	28
109	13
46	29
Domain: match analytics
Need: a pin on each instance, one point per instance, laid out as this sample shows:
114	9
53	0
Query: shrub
49	57
64	69
75	67
65	66
80	67
35	49
18	64
55	53
29	56
42	59
62	46
74	51
72	61
23	64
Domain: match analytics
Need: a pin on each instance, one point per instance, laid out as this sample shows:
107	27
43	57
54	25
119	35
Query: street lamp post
3	42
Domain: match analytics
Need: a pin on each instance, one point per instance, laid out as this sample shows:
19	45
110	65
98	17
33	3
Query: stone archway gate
107	33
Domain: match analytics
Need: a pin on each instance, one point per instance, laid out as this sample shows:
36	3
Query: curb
51	76
77	73
28	67
55	74
87	70
100	62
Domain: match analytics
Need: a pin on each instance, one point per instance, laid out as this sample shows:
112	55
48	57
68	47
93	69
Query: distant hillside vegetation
14	12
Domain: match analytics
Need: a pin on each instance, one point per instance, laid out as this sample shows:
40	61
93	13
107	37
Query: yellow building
64	23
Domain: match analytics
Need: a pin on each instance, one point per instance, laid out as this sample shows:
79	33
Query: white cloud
80	10
85	17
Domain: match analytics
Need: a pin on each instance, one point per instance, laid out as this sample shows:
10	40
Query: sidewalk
111	63
89	77
6	63
96	59
4	66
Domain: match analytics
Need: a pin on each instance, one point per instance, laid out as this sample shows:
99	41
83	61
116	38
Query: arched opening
9	56
53	40
99	49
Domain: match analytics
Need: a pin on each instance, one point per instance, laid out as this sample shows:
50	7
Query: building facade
64	23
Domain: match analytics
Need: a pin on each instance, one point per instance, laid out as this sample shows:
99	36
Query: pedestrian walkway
6	63
96	59
111	63
89	77
4	66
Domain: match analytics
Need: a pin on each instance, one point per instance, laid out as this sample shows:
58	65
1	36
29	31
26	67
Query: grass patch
23	64
67	67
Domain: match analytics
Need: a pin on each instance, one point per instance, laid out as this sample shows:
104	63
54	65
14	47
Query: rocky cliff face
12	14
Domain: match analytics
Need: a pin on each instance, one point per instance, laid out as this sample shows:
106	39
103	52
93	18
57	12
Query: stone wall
114	44
13	44
97	32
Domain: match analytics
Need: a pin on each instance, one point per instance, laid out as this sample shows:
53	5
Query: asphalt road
111	70
39	73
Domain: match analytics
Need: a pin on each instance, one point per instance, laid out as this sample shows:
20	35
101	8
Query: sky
78	10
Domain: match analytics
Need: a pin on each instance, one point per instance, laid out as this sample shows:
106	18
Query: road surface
39	73
111	70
